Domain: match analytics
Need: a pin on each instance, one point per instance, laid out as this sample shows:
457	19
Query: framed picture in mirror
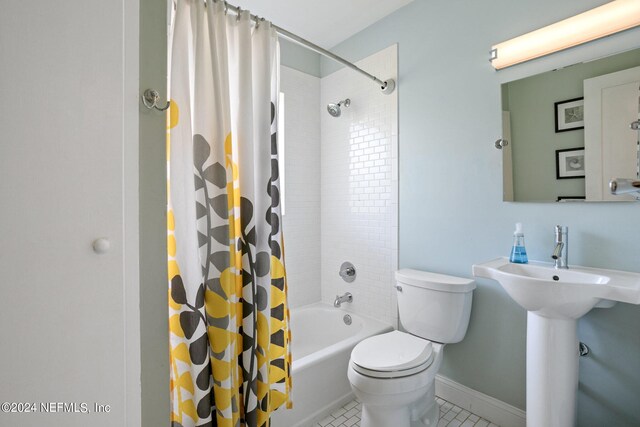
570	163
569	115
570	198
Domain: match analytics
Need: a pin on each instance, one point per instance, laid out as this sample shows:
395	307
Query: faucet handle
347	272
561	229
560	251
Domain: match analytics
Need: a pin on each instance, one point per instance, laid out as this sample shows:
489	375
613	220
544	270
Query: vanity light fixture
610	18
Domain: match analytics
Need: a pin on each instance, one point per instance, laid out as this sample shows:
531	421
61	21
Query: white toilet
393	374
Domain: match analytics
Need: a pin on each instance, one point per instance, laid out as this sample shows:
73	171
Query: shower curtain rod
386	86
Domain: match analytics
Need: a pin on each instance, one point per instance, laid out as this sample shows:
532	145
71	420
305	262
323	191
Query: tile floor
450	416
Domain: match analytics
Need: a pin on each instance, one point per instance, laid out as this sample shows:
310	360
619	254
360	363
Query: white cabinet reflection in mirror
611	104
610	145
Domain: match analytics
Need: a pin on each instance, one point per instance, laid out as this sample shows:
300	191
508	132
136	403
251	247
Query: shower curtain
229	330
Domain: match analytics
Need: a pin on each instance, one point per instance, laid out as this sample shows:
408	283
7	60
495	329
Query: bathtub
321	345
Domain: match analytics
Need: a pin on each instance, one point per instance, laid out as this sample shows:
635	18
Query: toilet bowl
393	374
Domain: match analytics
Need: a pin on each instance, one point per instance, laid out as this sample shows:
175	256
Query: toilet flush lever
399	288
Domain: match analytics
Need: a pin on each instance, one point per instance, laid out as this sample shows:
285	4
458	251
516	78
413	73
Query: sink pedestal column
552	371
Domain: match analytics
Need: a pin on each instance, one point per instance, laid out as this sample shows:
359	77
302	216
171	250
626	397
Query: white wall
68	175
359	187
301	221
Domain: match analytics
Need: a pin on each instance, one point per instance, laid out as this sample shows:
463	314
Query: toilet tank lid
439	282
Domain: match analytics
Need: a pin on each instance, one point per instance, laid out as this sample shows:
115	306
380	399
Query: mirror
569	131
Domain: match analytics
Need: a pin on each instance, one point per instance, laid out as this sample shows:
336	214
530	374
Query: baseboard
482	405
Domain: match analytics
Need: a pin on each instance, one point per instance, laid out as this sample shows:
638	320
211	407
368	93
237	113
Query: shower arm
387	86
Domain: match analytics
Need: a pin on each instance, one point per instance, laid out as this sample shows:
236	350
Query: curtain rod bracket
388	87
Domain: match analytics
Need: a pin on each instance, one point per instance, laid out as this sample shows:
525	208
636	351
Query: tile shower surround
359	187
301	221
342	187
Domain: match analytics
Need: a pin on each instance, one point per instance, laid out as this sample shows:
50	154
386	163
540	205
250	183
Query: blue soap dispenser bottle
518	252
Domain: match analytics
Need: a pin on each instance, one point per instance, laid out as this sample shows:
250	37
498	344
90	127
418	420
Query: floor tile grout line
452	416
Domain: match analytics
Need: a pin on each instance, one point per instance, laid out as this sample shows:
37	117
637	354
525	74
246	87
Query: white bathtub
321	346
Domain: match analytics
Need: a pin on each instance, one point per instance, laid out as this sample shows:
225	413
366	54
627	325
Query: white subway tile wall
301	222
359	187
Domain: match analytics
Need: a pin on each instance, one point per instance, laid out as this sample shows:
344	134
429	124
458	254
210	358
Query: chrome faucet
561	249
344	298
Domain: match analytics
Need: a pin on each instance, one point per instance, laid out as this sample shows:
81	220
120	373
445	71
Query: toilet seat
392	355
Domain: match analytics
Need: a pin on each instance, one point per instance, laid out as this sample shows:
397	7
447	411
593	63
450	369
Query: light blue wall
451	209
299	58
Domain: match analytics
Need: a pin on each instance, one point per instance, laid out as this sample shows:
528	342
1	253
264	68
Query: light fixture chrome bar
386	86
605	20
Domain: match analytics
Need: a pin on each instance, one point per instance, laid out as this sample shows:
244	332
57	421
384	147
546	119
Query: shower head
334	109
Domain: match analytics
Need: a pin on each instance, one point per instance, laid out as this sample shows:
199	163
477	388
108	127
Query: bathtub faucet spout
344	298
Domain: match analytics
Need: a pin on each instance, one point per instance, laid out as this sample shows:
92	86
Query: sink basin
563	293
555	299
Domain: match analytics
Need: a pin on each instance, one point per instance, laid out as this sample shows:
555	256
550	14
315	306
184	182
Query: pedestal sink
555	299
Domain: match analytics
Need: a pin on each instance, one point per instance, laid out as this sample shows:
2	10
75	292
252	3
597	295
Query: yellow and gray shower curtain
229	332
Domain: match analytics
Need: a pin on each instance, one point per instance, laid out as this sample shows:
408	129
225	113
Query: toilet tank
434	306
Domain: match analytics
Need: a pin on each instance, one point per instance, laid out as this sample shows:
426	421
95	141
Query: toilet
393	374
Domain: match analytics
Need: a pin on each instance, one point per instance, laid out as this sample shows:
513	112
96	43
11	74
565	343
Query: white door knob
101	245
